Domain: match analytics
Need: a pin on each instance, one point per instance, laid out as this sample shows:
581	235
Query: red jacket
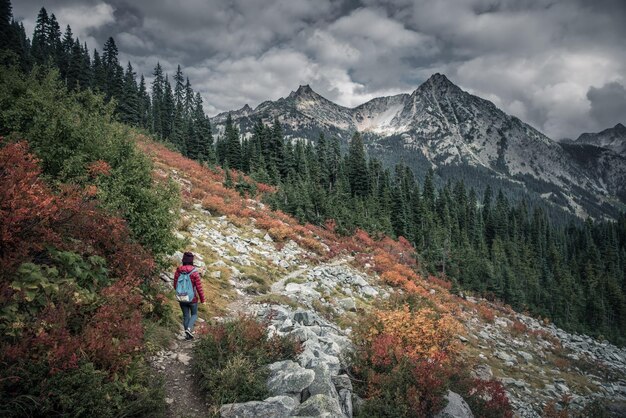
195	279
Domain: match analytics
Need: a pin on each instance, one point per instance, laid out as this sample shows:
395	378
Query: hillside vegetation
84	224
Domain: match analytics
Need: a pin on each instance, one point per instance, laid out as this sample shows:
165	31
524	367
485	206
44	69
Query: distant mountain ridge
612	138
440	126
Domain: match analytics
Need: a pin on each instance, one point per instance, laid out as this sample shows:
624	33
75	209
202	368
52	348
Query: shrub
78	143
230	359
518	328
81	391
486	398
486	313
404	359
70	327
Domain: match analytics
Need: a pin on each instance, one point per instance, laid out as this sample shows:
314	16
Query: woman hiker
190	308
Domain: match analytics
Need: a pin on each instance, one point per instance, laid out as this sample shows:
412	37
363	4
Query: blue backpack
184	287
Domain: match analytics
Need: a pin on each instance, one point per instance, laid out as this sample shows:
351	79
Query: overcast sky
559	65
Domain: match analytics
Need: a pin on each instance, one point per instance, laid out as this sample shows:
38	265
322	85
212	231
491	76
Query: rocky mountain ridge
613	139
440	126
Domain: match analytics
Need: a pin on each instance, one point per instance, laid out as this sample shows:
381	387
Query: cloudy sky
559	65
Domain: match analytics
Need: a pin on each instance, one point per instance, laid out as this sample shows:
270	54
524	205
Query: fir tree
357	167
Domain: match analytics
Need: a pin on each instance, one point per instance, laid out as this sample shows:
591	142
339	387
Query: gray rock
345	402
369	291
184	358
357	403
304	317
287	377
342	382
322	384
526	356
456	407
347	304
276	407
505	357
483	372
319	406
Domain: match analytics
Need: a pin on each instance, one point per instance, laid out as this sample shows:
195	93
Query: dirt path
181	395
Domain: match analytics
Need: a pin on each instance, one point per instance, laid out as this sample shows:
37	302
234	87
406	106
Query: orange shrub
486	313
518	328
445	284
197	194
423	333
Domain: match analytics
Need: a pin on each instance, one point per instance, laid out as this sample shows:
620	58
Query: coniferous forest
572	273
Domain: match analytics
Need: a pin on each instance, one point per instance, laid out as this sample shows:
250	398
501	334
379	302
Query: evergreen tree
158	87
113	72
144	105
130	105
356	163
233	145
40	48
7	37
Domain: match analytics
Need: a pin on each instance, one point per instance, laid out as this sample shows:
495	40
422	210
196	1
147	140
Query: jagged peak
619	127
439	79
303	90
245	108
437	82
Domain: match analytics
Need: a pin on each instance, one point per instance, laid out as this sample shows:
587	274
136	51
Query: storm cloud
559	65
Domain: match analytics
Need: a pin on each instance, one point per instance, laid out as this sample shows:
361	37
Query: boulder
322	384
456	407
275	407
304	317
343	384
288	378
318	405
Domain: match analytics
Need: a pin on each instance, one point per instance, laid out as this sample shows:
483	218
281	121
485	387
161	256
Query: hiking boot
188	334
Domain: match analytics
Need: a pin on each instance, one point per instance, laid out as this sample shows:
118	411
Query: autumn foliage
69	286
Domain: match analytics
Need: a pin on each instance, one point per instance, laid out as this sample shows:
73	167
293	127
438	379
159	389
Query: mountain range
441	127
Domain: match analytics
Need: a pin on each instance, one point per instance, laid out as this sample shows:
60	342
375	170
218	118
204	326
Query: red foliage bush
34	219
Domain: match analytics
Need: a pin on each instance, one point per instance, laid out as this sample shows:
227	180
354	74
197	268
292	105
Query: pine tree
40	48
158	87
144	109
129	106
167	109
53	37
356	163
179	122
113	72
67	47
233	145
98	82
7	36
74	74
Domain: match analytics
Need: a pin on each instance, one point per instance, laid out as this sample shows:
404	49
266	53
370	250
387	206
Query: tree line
170	111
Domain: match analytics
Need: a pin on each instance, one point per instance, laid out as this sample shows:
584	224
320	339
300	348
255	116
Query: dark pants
190	314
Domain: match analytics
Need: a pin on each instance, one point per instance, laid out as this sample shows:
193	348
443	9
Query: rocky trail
181	394
248	273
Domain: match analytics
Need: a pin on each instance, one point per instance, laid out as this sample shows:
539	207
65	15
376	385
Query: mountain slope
612	138
260	263
440	126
